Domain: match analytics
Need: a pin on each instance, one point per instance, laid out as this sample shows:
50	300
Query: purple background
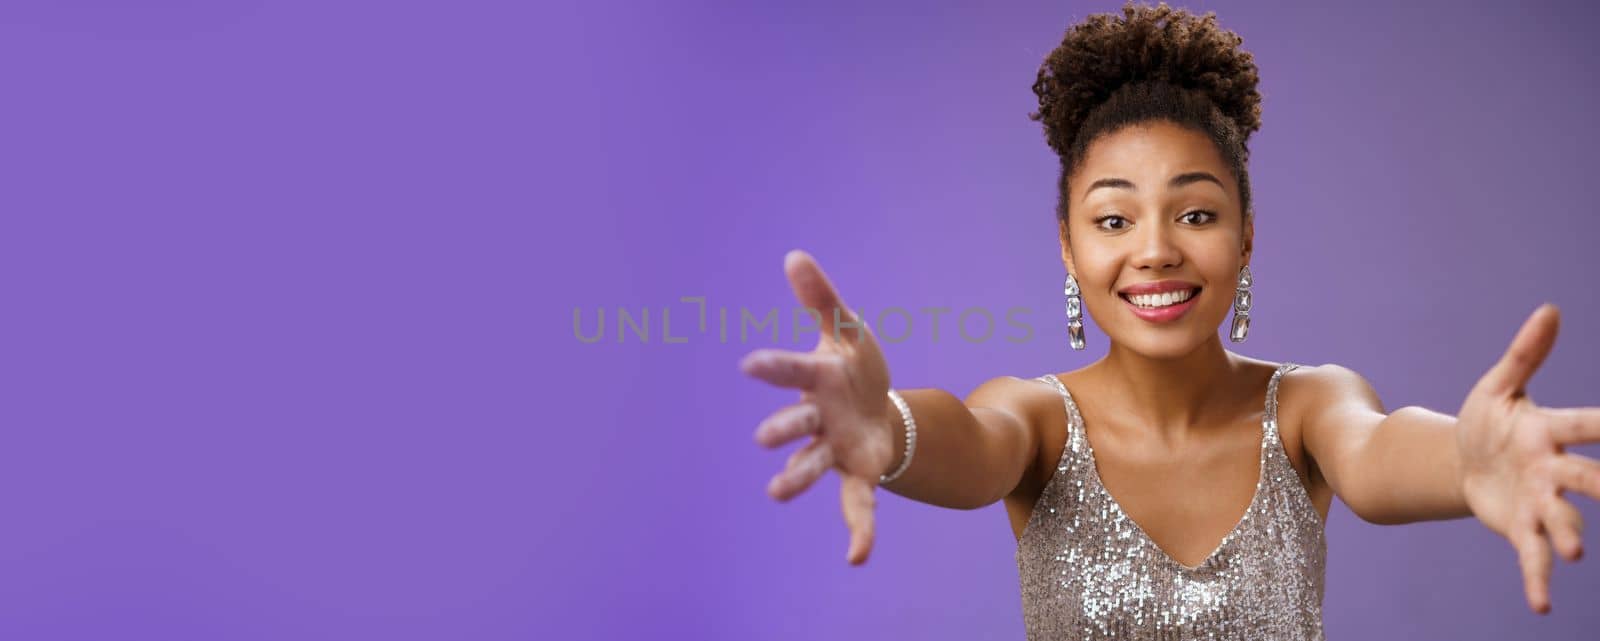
288	287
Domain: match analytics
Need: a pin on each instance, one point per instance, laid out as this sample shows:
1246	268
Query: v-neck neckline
1100	486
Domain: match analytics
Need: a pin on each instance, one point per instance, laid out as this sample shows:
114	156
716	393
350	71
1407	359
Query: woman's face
1155	205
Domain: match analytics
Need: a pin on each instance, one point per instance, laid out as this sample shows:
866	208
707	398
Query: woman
1172	489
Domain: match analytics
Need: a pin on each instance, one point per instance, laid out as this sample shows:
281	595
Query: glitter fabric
1089	572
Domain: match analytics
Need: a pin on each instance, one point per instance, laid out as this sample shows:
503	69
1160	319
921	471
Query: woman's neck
1172	396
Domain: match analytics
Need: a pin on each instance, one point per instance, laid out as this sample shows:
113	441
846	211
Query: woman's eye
1106	222
1199	217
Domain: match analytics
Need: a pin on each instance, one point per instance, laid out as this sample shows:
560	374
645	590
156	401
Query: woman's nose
1156	249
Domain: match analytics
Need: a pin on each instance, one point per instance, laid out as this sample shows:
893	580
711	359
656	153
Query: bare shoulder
1314	402
1308	396
1024	398
1038	407
1311	390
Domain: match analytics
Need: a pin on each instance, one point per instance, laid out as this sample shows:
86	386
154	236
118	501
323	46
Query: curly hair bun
1107	53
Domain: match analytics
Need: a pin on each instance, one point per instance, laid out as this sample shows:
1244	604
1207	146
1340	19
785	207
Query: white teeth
1163	299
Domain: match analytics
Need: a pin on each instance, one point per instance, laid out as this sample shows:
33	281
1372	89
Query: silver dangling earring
1241	307
1074	313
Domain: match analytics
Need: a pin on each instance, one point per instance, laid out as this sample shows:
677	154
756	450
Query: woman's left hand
1515	466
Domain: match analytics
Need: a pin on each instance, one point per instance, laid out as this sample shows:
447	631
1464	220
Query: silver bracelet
911	437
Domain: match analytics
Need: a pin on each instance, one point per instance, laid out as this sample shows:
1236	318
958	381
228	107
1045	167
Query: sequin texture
1089	572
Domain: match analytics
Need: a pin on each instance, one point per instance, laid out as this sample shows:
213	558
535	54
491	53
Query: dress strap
1270	418
1066	397
1075	439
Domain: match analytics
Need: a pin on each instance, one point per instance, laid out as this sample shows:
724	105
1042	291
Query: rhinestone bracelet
911	437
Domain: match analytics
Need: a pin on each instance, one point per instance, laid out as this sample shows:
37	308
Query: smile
1164	307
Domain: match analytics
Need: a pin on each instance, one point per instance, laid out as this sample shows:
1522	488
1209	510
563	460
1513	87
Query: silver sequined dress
1089	572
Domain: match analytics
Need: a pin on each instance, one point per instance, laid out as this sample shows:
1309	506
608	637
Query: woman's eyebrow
1179	180
1194	177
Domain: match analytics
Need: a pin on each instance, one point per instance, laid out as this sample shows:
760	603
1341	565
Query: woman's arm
1389	468
969	453
964	458
1503	459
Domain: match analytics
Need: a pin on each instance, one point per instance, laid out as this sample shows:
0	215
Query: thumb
1510	375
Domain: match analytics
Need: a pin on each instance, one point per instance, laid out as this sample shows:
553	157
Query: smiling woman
1159	214
1164	300
1172	489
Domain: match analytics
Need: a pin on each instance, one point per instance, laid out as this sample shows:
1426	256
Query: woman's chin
1165	345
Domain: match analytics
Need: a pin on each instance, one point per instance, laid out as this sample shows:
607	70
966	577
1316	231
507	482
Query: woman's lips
1163	314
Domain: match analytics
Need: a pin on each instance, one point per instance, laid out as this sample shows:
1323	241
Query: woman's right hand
843	405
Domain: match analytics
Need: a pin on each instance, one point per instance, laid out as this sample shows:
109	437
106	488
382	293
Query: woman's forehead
1150	156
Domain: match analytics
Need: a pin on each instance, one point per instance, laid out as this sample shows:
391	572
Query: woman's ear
1249	243
1066	247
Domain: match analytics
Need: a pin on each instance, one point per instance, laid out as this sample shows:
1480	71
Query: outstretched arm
970	453
1389	468
965	457
1503	459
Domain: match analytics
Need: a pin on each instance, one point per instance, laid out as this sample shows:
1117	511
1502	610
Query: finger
816	292
1575	425
805	466
1578	473
857	500
784	368
1527	352
1534	557
788	424
1564	525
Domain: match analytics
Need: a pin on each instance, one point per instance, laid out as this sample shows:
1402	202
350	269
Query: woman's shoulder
1301	379
1027	397
1037	398
1039	406
1315	395
1322	384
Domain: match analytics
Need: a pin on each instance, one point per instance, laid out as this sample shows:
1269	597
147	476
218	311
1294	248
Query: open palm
1515	466
843	382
